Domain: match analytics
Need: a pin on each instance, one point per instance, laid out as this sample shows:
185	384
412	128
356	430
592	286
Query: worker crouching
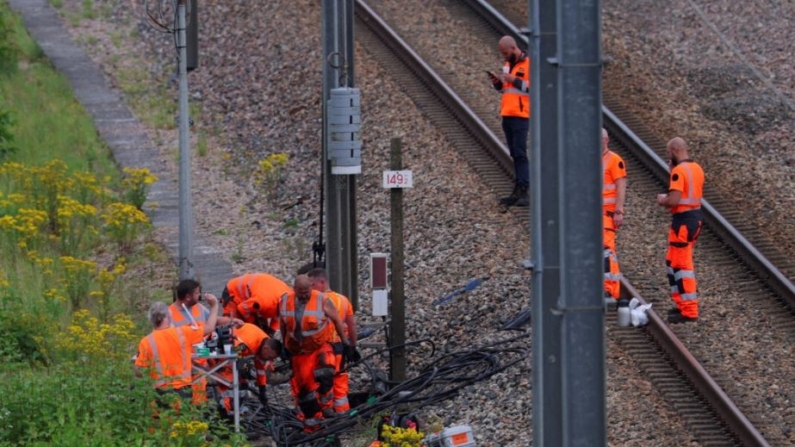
249	340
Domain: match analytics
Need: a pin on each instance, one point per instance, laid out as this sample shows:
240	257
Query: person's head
508	49
269	349
677	149
319	279
226	297
189	291
304	269
302	287
605	140
158	313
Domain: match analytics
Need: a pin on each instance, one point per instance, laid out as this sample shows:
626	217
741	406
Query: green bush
88	404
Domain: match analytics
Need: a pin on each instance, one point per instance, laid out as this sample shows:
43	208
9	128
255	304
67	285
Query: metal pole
579	126
236	392
397	356
185	207
547	403
341	256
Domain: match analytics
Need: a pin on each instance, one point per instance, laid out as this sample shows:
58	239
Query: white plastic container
457	436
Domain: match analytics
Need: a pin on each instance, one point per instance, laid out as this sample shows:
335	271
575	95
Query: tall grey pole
185	206
338	64
579	126
547	402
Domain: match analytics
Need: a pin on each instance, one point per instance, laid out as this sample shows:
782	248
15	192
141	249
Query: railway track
704	399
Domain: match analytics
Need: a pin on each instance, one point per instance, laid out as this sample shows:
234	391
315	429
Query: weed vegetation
78	268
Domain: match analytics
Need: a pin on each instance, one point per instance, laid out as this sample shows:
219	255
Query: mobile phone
491	75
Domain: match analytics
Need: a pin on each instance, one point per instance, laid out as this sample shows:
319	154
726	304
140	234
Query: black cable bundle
440	380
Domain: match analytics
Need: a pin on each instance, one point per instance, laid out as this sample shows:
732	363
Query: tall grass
70	228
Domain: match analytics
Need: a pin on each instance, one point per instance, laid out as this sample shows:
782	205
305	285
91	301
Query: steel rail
712	393
441	90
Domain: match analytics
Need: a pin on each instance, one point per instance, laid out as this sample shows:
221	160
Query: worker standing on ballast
684	201
514	83
614	192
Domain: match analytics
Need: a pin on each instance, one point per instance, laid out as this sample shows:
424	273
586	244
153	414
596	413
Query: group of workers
683	198
316	333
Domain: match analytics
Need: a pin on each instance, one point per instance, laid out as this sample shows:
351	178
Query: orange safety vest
180	318
244	287
688	178
612	169
344	309
167	354
316	328
516	101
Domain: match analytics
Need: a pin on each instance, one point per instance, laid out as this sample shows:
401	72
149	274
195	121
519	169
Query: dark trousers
516	130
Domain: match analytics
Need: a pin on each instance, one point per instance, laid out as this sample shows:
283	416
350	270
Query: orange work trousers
313	384
608	231
612	273
341	404
685	228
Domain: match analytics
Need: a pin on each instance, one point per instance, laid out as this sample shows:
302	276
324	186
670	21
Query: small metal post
397	356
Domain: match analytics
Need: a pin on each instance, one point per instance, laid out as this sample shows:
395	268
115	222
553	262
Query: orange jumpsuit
246	340
178	319
260	288
345	309
308	336
166	353
613	169
686	221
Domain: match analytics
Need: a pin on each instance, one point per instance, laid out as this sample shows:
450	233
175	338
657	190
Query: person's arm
331	313
212	320
353	333
225	321
669	200
621	194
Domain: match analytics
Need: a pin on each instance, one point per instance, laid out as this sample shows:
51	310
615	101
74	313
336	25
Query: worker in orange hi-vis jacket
684	200
186	309
165	354
309	320
250	340
345	310
255	299
614	192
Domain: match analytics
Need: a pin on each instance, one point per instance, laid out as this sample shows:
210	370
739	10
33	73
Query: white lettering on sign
397	179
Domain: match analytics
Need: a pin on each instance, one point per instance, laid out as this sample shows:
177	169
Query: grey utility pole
185	207
582	307
547	403
568	320
340	190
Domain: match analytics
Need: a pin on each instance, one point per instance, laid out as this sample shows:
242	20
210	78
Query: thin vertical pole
185	206
397	355
547	403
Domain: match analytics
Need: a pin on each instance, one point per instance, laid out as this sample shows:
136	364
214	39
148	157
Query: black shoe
674	311
523	200
679	318
510	200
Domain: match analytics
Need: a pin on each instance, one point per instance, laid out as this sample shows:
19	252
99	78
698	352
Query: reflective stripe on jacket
315	327
167	354
688	178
